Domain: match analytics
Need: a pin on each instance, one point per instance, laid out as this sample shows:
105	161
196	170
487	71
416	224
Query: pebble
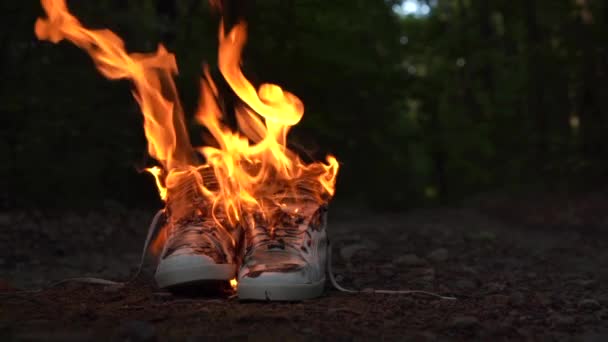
464	322
5	219
469	270
589	304
347	252
495	327
595	337
562	320
586	283
5	286
465	284
138	331
410	260
162	295
438	255
498	299
495	287
113	288
387	270
517	298
544	299
422	336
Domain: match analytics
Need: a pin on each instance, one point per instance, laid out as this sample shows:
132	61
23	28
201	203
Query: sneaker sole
176	271
282	292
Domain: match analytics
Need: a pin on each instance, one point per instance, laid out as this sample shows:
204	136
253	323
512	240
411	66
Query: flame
250	170
156	172
234	283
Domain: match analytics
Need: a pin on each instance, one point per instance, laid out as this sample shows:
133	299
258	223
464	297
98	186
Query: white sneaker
196	248
195	252
287	262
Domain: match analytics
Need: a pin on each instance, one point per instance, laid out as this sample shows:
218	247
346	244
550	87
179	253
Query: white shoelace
338	287
153	228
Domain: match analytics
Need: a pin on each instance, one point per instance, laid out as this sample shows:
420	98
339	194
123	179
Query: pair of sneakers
278	255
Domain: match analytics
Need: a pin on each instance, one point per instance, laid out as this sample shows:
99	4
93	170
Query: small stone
5	219
498	299
595	337
464	322
438	255
465	284
87	312
589	304
138	331
347	252
387	271
495	327
469	270
5	286
586	283
113	288
162	295
544	299
494	287
517	298
410	260
562	320
422	336
307	331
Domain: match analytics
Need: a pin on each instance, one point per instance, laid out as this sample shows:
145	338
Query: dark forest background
473	96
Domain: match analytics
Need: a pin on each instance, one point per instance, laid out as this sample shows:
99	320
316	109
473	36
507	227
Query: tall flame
251	169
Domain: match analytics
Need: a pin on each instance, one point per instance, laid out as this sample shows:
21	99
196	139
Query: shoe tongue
278	258
278	244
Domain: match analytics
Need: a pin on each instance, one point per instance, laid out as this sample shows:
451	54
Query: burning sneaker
196	246
285	254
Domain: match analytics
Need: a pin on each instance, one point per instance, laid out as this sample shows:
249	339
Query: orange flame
253	170
234	283
156	172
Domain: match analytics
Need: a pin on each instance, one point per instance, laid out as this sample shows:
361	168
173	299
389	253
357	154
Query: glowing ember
252	170
233	283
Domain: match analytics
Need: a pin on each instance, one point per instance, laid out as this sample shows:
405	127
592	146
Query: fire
156	172
233	283
251	170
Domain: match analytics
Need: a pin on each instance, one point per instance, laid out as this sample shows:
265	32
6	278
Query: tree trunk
535	89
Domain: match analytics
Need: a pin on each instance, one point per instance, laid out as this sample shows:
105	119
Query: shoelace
338	287
153	228
280	238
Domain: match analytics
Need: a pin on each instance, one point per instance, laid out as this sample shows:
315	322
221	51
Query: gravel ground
522	269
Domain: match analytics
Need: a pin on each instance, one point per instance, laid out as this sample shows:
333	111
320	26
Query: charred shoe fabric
195	251
196	244
285	254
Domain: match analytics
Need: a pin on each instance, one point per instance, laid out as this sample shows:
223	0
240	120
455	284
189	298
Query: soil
532	268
